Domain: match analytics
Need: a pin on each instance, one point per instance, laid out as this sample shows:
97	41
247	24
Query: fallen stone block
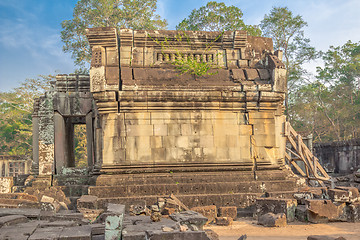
46	233
138	207
354	212
116	208
90	214
97	229
210	212
301	213
276	205
76	233
87	201
230	211
58	224
176	235
168	211
224	221
322	237
320	211
28	212
12	219
344	194
273	220
211	234
16	232
190	218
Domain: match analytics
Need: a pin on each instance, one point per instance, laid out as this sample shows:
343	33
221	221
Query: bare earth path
295	231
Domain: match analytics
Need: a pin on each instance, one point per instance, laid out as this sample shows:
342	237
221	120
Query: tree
330	107
217	17
16	108
287	32
133	14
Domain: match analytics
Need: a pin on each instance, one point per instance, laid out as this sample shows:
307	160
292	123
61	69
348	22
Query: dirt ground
294	231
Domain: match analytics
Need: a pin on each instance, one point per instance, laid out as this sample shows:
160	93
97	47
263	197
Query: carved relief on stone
96	60
97	79
46	158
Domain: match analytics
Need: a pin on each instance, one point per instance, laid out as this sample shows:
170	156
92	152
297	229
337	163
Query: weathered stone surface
325	210
12	219
230	211
301	213
87	201
76	233
6	183
190	217
344	194
274	205
354	212
116	208
272	220
46	233
211	234
210	212
223	221
90	214
28	212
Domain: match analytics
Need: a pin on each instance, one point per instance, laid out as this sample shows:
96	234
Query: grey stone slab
189	218
76	233
97	229
58	224
28	212
116	208
16	232
177	235
46	233
12	220
98	237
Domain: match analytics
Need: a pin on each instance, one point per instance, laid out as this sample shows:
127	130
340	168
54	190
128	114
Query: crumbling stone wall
68	102
151	115
339	157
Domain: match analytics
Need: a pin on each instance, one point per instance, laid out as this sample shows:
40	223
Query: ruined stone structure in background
151	131
339	157
12	166
69	102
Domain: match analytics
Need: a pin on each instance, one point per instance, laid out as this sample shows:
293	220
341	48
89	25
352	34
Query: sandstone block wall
151	114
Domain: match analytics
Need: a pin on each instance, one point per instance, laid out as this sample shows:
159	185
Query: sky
30	43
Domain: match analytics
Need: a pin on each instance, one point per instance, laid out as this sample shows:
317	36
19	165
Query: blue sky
30	41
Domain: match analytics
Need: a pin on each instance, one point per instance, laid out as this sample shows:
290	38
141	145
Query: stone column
60	142
35	145
89	139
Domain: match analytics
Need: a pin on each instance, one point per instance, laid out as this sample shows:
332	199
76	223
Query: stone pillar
89	139
35	145
60	142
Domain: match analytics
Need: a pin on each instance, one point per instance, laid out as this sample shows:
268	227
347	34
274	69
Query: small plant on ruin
198	64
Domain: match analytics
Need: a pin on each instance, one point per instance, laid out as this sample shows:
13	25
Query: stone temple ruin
218	139
145	120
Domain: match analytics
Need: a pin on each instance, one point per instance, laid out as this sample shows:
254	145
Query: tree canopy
216	16
133	14
16	107
330	107
287	32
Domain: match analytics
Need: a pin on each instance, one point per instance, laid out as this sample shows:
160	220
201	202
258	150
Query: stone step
189	177
75	190
17	202
18	196
74	180
241	200
191	188
8	206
